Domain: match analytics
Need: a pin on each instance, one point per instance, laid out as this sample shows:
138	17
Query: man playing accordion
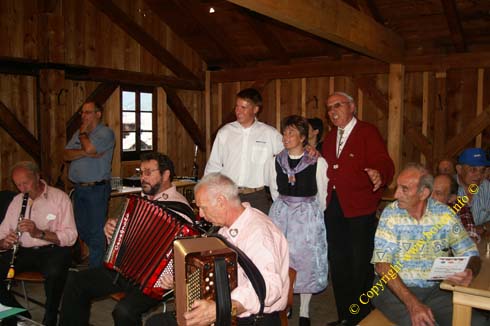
157	172
252	232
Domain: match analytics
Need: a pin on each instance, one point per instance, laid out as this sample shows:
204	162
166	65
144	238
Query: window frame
136	154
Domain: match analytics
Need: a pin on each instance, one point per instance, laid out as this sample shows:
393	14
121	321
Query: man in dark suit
359	167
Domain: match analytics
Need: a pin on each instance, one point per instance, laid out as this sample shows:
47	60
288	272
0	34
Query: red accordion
141	248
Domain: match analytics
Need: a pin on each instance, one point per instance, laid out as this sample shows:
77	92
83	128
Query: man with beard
157	171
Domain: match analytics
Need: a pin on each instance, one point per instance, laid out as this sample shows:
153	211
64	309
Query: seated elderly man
412	232
254	233
471	169
445	189
46	234
446	166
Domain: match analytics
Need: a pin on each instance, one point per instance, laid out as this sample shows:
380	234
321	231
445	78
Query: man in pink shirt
157	172
46	234
254	233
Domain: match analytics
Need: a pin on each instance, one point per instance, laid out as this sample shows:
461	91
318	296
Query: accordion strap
177	207
222	288
251	270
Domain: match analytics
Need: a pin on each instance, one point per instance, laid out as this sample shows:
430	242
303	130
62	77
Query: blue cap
474	157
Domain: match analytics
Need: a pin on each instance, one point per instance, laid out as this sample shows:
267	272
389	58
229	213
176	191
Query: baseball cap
474	157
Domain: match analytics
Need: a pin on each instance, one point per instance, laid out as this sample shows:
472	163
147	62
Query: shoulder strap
177	207
251	270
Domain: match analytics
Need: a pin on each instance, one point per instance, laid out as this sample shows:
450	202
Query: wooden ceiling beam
100	95
10	123
273	44
31	67
302	70
185	118
121	19
335	21
454	24
369	8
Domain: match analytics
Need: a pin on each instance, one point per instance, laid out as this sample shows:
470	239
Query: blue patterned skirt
301	221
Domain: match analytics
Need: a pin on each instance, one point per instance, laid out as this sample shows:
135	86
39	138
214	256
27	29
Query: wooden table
477	295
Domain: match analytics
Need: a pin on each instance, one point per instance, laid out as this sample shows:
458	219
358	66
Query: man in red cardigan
359	167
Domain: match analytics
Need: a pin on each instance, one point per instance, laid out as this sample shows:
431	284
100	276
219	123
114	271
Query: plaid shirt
469	224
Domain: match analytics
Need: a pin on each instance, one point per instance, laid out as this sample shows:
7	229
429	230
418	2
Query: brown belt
246	191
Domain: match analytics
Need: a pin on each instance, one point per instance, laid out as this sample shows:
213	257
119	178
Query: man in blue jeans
90	153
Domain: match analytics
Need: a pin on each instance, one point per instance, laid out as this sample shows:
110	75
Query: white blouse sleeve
321	182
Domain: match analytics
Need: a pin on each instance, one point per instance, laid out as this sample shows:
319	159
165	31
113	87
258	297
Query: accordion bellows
195	273
141	248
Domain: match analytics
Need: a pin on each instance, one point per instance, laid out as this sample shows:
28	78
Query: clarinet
11	272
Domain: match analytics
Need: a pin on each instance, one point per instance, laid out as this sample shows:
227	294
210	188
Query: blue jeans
90	207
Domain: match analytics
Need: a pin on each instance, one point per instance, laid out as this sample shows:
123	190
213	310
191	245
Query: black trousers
260	199
168	319
350	249
53	262
85	286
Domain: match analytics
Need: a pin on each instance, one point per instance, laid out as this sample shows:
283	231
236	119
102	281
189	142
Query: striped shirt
416	244
480	203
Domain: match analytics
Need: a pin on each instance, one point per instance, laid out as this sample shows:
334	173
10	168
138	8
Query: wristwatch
43	235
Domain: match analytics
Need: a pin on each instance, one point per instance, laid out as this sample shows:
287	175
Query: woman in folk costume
298	184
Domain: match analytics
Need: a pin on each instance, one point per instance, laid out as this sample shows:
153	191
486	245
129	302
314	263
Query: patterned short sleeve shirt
414	244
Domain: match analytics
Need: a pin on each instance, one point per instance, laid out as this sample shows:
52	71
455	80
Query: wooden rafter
369	8
99	96
475	127
185	118
328	19
273	44
194	9
454	24
121	19
10	123
418	139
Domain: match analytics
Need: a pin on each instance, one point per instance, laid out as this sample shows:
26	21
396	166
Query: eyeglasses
86	112
336	105
148	172
475	169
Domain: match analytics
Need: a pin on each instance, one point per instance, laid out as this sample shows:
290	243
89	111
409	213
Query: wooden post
303	97
220	104
395	119
479	101
207	113
278	104
440	118
360	103
162	112
52	119
425	111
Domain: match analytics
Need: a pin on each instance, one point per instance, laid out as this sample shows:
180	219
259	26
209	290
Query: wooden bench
376	318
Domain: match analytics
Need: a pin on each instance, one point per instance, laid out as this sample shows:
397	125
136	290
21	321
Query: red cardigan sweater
365	148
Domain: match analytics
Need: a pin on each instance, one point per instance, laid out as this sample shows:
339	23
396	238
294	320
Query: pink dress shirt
255	234
51	211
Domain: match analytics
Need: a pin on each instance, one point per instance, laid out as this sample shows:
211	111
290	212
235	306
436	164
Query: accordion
141	247
205	268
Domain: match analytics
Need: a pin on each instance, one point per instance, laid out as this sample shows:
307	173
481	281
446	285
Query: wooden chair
284	313
29	277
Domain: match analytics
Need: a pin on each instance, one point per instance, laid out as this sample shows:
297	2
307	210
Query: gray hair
28	165
219	184
348	97
426	179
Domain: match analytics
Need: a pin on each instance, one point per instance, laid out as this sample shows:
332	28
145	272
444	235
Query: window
138	122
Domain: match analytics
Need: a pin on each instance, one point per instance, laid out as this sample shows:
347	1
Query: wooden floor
322	307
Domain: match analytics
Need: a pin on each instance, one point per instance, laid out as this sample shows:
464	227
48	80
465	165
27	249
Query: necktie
341	133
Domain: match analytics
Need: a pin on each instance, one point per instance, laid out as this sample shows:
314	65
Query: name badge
335	166
50	217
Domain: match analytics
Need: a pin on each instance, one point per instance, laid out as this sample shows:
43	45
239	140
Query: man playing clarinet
43	232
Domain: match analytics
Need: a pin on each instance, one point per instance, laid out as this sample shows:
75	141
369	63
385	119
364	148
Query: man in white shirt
242	147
